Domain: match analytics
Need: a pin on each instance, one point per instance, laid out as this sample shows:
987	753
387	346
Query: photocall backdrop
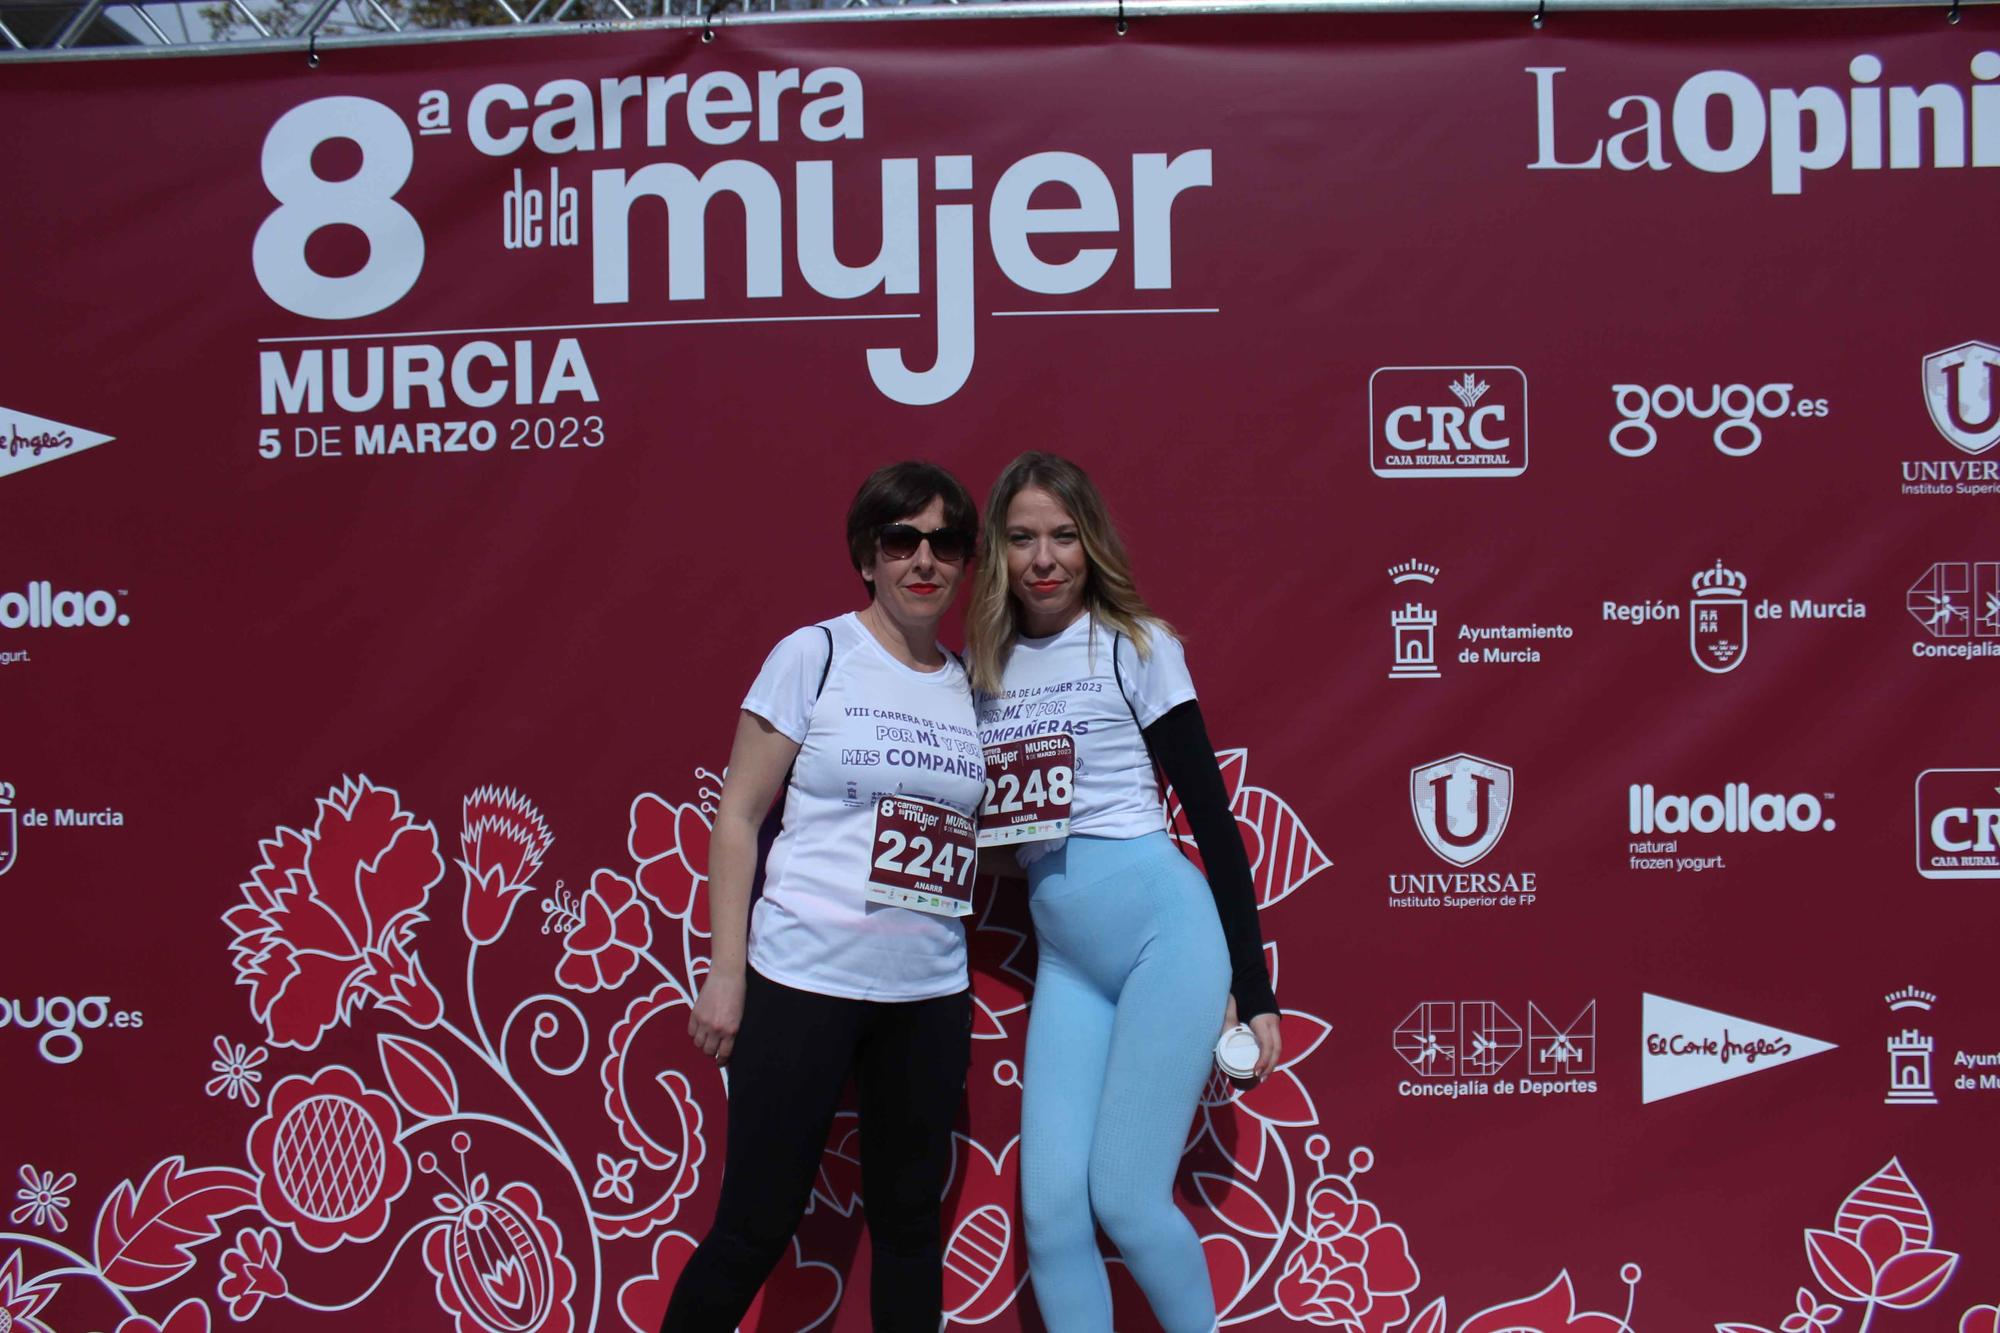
1569	455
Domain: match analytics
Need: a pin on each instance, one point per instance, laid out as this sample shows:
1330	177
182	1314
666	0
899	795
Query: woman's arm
1179	741
758	762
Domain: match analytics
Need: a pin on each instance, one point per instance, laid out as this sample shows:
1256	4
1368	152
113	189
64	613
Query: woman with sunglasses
853	959
1142	964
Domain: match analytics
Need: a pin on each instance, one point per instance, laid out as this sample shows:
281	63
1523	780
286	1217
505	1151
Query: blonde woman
1142	963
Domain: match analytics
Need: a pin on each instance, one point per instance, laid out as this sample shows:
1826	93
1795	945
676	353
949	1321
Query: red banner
1570	455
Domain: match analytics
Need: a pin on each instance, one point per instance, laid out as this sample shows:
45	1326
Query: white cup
1236	1051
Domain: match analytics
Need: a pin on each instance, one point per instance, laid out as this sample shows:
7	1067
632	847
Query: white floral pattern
43	1196
236	1072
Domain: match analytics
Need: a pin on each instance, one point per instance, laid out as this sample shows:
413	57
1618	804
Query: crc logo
1461	805
1962	390
1733	407
1448	421
1958	823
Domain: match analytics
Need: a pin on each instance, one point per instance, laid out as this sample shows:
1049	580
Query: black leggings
793	1053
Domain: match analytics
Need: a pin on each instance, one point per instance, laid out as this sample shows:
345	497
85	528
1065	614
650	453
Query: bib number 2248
1029	784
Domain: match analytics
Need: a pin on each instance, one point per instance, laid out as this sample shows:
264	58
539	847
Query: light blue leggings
1129	998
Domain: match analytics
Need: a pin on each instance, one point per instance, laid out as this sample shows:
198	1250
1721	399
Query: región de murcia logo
1719	613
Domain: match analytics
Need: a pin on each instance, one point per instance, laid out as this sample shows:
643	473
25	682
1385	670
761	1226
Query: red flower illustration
1879	1251
658	1114
327	915
1808	1314
1353	1270
1980	1319
499	1264
604	947
1240	1120
1550	1310
20	1298
250	1272
501	844
190	1316
670	845
985	1259
327	1159
1880	1266
1283	855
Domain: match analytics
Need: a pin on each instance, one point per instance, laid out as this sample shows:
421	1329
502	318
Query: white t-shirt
878	728
1065	683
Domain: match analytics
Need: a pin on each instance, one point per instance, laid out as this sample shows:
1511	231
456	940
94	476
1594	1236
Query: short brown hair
898	491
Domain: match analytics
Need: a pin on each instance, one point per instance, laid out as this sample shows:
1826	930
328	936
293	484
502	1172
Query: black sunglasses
899	541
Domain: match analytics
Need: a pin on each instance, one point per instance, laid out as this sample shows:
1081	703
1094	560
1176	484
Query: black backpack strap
1118	678
774	818
1159	774
821	688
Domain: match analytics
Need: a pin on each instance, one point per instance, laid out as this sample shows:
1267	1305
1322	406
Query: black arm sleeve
1179	742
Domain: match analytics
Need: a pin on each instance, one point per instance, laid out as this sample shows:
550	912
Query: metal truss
70	29
44	28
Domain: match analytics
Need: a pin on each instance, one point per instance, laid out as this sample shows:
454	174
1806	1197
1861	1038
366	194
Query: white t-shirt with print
878	728
1065	683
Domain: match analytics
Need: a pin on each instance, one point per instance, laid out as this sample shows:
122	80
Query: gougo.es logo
62	1021
1734	408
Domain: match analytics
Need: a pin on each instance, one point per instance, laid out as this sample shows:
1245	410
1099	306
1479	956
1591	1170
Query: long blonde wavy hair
993	619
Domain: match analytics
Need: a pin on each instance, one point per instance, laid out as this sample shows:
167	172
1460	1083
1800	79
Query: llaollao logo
42	605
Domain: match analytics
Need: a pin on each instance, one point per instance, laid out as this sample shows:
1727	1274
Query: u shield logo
1962	391
1461	805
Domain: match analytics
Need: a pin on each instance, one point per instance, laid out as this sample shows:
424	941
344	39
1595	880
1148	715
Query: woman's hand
717	1013
1264	1027
1268	1044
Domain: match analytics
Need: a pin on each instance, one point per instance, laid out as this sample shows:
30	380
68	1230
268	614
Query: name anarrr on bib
922	856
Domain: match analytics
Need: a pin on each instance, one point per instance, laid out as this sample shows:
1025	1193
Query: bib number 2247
922	856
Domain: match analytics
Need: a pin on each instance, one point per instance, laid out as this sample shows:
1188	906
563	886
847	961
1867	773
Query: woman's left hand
1269	1045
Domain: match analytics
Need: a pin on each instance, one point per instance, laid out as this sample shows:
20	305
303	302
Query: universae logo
1962	391
1461	804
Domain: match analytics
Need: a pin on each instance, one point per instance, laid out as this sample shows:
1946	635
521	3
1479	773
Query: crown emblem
1469	390
1910	998
1413	571
1719	582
